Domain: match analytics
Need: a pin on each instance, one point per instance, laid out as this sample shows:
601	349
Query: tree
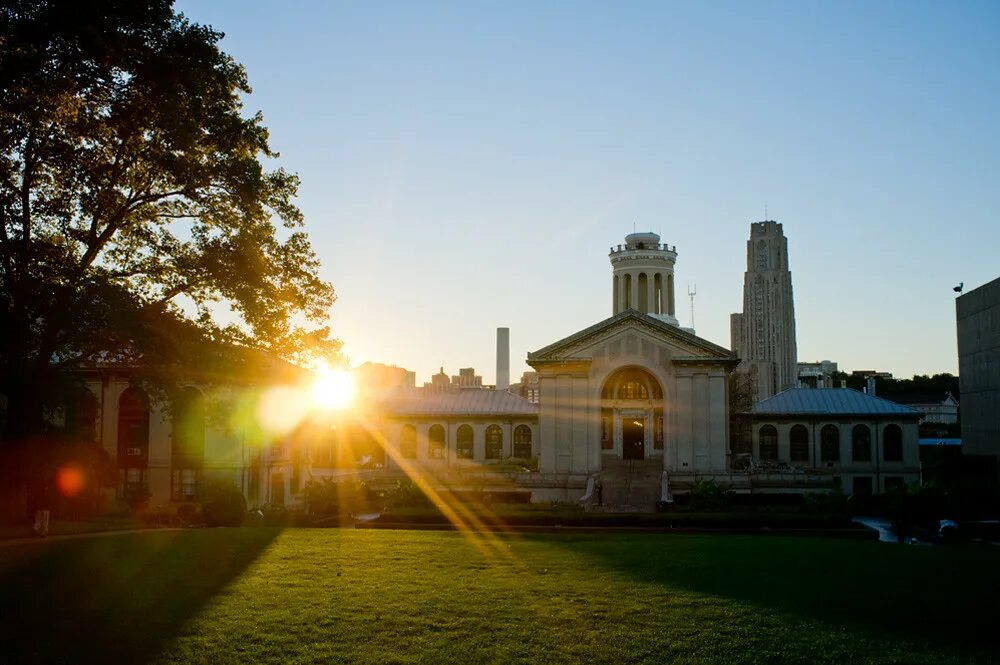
138	224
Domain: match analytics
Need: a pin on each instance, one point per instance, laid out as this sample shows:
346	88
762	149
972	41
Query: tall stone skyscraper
763	336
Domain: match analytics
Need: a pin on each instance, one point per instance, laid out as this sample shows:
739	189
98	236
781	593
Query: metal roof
465	402
831	402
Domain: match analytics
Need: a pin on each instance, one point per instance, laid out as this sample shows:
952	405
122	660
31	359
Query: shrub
189	515
406	494
327	496
223	504
709	495
831	503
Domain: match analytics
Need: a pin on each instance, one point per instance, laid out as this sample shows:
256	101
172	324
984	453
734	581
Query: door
633	438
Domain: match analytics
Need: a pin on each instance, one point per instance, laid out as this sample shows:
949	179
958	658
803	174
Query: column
670	294
635	291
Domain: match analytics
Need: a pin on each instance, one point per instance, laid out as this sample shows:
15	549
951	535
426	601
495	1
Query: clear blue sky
467	165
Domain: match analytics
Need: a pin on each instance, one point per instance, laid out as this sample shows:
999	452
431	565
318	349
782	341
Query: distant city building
978	321
818	374
527	387
377	378
871	374
467	378
763	335
940	409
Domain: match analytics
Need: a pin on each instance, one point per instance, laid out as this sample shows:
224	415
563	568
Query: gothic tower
643	276
763	336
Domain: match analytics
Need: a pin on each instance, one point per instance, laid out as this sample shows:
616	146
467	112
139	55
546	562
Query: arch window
133	442
861	444
768	443
522	442
643	293
463	440
892	444
658	293
799	444
632	383
494	442
627	294
408	442
829	443
435	442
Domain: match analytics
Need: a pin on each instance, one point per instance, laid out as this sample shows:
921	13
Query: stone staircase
630	486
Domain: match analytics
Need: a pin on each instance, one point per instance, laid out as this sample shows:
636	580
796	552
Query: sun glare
334	389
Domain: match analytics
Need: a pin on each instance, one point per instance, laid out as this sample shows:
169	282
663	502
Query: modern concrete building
763	335
978	321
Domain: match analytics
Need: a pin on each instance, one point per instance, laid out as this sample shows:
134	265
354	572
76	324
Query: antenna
765	212
692	292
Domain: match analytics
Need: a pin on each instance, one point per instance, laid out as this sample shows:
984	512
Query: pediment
630	323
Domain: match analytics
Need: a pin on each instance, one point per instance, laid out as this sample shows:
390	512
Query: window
892	443
862	485
829	443
631	383
494	442
861	444
184	485
522	442
799	444
768	442
435	442
463	448
408	442
133	442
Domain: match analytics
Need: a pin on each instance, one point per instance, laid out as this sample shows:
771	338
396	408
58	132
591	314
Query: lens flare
69	481
333	389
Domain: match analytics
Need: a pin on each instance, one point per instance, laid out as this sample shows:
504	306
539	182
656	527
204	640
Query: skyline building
763	335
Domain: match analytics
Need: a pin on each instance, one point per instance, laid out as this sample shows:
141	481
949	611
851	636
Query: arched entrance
632	414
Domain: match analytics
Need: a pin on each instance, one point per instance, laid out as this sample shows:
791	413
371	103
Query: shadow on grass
943	597
117	598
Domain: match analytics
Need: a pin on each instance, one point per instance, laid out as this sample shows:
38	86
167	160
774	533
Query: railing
659	247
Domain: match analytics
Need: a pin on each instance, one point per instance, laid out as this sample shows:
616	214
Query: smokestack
503	358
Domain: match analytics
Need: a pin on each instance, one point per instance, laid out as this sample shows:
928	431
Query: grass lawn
327	595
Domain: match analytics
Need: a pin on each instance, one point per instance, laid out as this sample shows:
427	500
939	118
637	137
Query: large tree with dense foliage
138	222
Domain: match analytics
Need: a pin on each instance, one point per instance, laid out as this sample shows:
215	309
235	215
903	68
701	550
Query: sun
333	389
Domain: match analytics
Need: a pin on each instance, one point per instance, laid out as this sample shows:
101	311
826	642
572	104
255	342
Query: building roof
468	402
831	402
711	349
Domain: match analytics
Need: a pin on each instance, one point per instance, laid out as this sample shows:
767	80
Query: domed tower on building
643	276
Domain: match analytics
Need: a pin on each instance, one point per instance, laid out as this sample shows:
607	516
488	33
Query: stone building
838	436
763	335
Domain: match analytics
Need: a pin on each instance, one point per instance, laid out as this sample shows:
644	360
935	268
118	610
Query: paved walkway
30	540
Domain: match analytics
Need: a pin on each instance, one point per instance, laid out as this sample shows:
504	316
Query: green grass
331	595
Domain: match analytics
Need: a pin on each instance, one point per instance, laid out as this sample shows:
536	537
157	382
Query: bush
406	494
189	515
327	496
223	504
831	503
709	495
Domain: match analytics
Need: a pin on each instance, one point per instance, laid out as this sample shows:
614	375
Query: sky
468	165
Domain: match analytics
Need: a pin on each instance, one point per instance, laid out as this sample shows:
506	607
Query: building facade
978	321
763	334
